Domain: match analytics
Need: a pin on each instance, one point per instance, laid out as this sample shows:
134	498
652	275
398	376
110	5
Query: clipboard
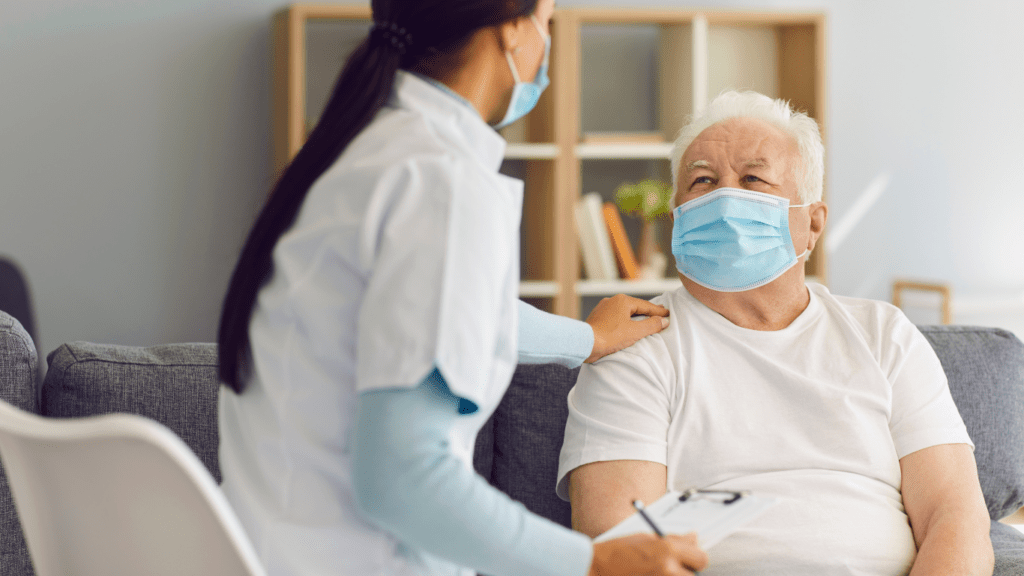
712	514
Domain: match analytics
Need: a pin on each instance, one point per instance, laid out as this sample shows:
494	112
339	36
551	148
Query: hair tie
390	33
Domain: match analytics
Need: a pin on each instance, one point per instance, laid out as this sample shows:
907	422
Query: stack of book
607	253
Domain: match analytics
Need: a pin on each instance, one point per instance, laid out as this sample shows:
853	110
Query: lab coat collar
480	139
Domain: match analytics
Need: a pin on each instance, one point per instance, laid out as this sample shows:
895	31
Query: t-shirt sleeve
923	412
619	409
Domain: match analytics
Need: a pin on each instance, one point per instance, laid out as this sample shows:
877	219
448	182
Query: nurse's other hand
614	326
648	555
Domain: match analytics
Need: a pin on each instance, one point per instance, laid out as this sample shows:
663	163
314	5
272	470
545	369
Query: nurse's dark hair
438	31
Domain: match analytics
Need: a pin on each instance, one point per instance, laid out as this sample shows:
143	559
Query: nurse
372	323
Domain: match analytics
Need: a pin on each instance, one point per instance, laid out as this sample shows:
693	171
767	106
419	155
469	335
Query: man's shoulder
877	320
659	351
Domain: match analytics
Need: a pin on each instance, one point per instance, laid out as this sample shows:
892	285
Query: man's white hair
777	112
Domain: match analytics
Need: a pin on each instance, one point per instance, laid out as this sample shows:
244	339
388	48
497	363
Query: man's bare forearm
955	544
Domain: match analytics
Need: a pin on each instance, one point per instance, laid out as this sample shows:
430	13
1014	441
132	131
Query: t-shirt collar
807	316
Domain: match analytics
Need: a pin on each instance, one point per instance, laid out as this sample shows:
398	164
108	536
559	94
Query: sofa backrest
526	436
518	448
985	369
18	370
174	384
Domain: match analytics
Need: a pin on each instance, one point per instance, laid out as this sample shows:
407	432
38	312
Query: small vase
652	260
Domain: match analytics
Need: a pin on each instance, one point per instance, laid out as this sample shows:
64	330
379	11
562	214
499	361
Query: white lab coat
405	256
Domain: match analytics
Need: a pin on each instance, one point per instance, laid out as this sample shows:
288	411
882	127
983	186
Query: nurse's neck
482	78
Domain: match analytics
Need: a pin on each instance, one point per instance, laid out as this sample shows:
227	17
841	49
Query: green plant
647	199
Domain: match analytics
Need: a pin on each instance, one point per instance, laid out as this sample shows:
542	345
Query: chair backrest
117	494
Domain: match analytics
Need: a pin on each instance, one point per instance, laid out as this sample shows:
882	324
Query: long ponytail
442	28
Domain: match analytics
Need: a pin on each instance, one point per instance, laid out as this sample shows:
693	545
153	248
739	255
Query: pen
640	508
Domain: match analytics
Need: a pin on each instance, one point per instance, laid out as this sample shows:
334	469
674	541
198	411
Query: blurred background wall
135	153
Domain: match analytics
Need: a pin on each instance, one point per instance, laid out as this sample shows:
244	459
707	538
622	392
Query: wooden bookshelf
601	118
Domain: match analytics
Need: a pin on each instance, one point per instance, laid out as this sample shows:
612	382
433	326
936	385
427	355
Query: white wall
134	153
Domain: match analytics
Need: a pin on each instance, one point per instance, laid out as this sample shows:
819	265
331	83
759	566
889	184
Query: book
712	515
595	242
629	269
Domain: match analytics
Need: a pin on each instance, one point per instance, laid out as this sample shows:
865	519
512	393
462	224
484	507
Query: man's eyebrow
757	163
697	164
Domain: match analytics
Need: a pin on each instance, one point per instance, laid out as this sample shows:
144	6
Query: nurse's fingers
648	555
688	550
647	326
615	326
646	307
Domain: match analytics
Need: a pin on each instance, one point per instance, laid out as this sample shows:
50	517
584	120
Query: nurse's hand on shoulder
648	555
614	325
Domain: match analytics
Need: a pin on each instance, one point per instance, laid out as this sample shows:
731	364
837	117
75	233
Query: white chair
117	494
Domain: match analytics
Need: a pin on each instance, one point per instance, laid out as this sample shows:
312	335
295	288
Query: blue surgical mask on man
732	240
525	95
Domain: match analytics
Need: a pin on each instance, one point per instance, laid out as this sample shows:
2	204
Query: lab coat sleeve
408	482
548	338
438	247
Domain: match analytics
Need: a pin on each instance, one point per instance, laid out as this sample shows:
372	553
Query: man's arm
602	493
942	497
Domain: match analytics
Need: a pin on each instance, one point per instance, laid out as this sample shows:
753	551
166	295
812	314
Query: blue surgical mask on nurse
525	95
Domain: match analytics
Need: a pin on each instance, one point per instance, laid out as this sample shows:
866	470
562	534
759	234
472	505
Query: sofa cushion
528	428
18	370
985	369
1008	544
175	385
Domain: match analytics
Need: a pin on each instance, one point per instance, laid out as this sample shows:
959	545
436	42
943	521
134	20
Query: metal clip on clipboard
728	496
712	514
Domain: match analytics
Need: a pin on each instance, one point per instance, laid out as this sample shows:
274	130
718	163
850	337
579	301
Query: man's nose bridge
729	179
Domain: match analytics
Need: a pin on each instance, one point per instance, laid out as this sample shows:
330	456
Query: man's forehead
755	145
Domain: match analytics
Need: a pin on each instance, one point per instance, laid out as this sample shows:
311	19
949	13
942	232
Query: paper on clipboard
710	517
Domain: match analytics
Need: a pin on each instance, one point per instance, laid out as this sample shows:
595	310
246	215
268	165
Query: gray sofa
517	451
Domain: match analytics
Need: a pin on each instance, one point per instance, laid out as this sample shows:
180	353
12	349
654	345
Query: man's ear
819	215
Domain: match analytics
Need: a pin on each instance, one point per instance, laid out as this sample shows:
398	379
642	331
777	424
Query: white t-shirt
817	414
405	256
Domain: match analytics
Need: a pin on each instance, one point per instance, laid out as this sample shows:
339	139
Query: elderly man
835	406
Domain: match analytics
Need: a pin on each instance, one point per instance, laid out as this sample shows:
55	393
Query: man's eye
701	180
751	178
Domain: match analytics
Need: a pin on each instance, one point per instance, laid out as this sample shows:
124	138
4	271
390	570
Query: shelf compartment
328	44
742	57
537	230
619	77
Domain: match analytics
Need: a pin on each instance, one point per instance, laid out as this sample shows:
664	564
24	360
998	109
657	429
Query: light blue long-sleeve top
408	482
